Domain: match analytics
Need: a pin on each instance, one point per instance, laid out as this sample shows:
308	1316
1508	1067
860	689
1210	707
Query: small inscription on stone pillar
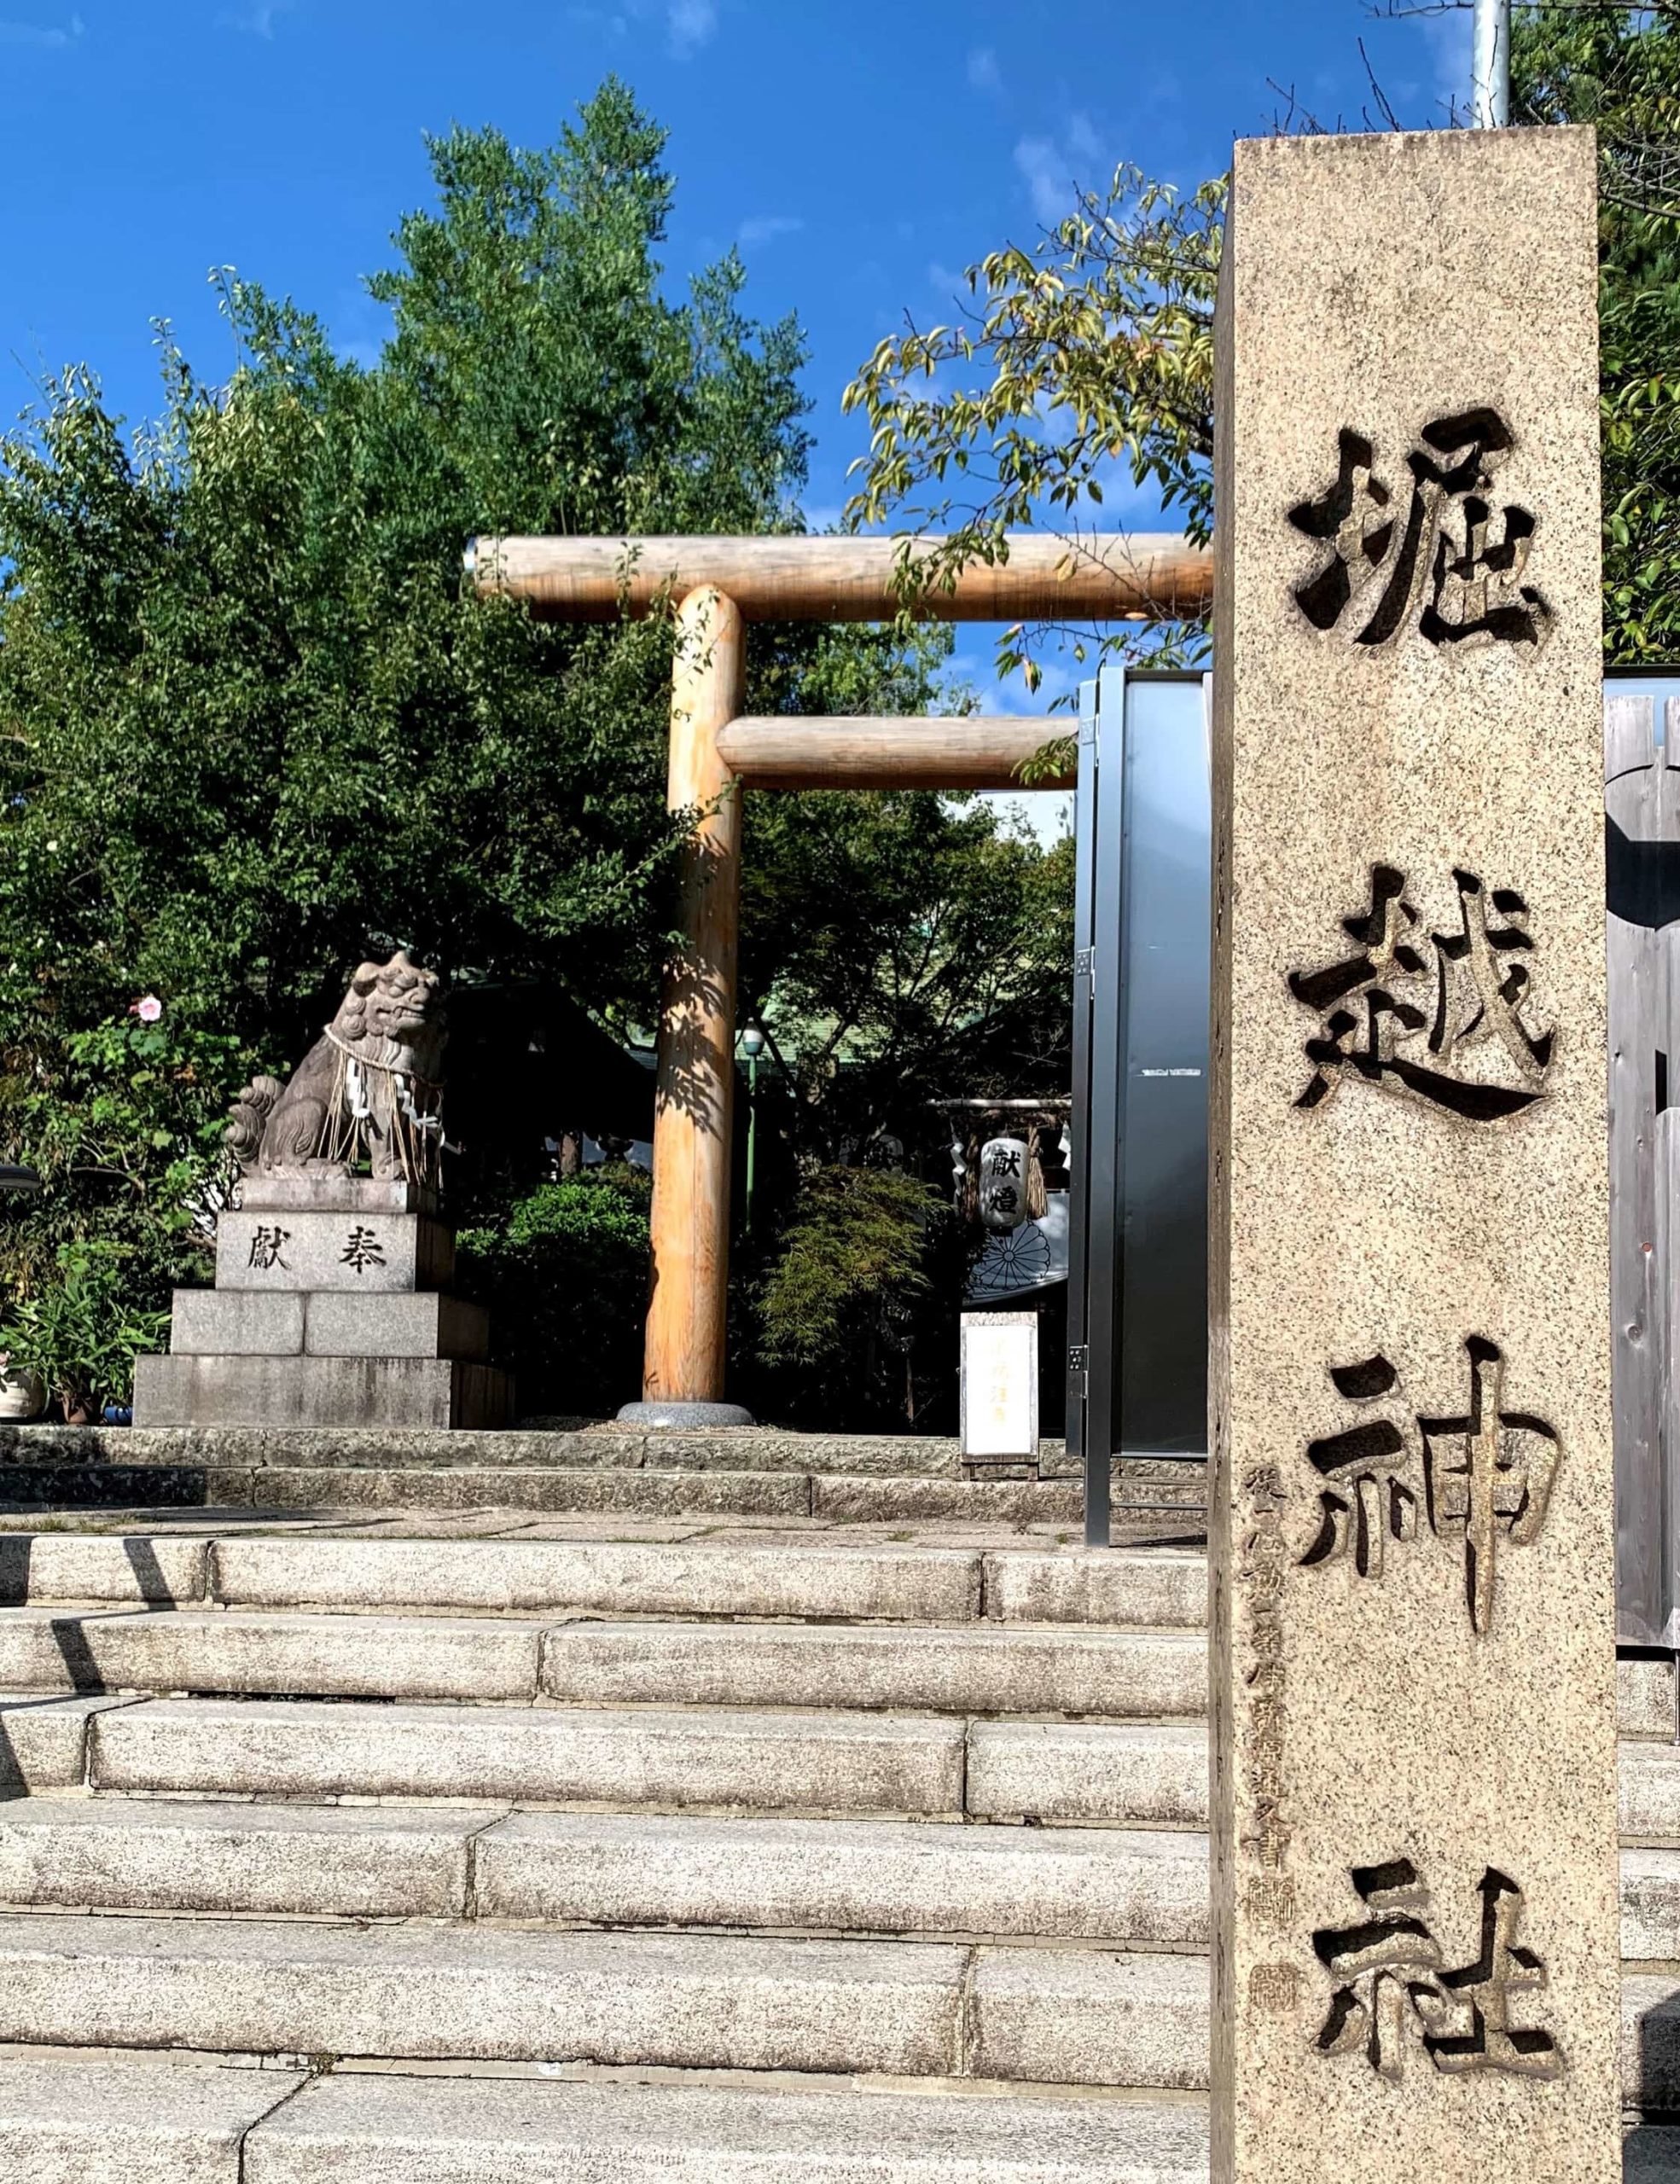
1415	1934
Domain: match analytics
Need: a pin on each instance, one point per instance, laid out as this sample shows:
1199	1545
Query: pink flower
148	1008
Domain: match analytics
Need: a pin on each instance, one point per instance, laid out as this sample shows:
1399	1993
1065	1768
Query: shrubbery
565	1276
125	1123
850	1317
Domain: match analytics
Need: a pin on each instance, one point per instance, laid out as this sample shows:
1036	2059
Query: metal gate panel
1137	1302
1641	830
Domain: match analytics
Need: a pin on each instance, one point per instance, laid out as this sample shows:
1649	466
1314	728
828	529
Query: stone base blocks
327	1311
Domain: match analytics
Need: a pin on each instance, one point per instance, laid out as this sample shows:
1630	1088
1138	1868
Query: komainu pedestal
330	1306
1416	1968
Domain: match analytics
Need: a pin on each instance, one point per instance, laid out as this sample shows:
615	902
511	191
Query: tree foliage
1092	352
1086	357
253	720
896	947
564	1274
1619	68
859	1290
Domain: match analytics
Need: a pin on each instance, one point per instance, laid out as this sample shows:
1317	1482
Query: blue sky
859	156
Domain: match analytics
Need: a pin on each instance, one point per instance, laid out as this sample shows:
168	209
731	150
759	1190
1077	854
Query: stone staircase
604	1850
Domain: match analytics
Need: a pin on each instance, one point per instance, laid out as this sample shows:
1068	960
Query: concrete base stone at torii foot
691	1417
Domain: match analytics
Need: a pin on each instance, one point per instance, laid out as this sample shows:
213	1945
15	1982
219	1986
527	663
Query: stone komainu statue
370	1087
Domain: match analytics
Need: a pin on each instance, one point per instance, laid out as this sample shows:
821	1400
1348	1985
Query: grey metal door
1642	831
1137	1272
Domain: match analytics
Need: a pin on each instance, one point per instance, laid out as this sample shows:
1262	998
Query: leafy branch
1088	355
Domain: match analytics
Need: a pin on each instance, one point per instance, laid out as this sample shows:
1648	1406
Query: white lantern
1003	1187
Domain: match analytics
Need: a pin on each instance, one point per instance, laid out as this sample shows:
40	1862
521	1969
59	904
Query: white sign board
1000	1385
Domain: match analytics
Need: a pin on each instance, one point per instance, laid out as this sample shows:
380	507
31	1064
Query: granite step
1051	2017
813	1581
287	1652
1140	1887
1649	1792
493	1995
133	2120
620	1577
157	1856
129	2119
989	1670
613	1870
524	1447
355	2129
1058	1773
1125	1587
1132	1888
772	1763
557	1491
1086	1773
280	1655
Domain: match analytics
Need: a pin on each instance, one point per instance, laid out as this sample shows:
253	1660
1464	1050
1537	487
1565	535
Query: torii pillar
693	1100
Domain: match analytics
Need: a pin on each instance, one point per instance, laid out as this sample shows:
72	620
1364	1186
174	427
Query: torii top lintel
1095	577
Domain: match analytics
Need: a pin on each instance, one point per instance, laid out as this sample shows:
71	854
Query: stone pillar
1415	1962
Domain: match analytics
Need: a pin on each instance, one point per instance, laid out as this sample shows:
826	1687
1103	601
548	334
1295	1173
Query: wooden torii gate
721	584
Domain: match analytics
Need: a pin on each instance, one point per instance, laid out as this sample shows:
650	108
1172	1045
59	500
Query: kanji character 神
1474	1474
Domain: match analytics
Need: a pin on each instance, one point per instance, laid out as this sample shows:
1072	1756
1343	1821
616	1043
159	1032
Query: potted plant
81	1333
23	1393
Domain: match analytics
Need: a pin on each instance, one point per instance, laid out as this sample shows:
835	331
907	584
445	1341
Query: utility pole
1492	107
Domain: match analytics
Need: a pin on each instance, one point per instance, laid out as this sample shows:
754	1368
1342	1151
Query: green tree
1618	67
254	724
863	1267
1092	350
1088	355
253	718
899	946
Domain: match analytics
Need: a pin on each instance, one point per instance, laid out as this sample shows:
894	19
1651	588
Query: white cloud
1053	169
44	34
258	17
984	73
1049	182
1450	40
692	24
1084	143
765	226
